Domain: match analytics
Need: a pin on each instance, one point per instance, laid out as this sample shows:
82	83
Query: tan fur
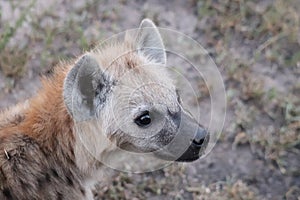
41	131
37	147
45	154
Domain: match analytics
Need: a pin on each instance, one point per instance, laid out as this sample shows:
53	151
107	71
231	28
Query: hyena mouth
193	137
195	150
186	146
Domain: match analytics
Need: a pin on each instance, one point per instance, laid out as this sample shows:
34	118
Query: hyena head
123	91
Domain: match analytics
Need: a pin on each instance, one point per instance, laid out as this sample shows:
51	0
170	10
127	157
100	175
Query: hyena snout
189	142
194	136
197	146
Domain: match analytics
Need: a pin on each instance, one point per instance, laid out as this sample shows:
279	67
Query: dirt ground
256	46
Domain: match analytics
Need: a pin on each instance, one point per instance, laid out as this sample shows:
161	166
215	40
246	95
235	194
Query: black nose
199	139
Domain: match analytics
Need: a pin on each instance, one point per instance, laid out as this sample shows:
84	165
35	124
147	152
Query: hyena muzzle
116	96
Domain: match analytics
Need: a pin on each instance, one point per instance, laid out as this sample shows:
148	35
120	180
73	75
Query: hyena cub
119	96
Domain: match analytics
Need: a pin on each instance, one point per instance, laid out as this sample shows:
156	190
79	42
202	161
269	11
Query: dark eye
143	120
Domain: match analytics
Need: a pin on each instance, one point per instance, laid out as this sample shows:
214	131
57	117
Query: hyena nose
200	138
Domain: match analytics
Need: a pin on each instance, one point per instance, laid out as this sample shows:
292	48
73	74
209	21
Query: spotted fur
51	145
40	156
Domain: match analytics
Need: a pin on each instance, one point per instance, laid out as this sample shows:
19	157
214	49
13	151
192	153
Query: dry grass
271	29
227	191
256	45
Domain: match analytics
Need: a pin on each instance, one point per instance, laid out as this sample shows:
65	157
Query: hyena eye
143	120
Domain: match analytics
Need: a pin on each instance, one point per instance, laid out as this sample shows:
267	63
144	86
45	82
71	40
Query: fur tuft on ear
149	42
85	89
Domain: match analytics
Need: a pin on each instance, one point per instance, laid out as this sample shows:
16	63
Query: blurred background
256	45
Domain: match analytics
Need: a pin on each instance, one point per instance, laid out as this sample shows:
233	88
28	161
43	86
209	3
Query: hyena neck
48	122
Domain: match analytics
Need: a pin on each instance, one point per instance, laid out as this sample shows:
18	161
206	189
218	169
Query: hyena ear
149	42
85	89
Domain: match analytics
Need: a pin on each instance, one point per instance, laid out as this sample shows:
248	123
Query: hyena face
125	93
